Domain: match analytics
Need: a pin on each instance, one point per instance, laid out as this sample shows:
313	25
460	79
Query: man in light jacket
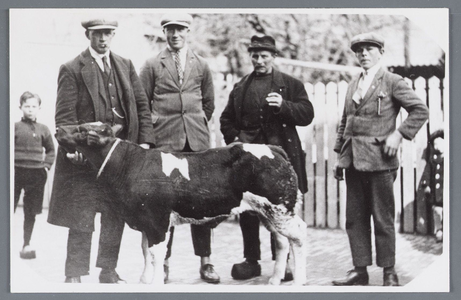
367	144
179	86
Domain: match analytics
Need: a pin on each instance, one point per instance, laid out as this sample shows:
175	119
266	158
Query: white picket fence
325	202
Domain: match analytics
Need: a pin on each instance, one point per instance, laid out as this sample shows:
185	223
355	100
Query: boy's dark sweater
30	138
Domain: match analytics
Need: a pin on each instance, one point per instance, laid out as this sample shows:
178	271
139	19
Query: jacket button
284	125
289	140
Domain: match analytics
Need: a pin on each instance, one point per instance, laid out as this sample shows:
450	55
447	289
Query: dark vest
114	112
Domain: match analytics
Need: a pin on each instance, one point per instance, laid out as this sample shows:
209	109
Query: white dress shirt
98	58
365	81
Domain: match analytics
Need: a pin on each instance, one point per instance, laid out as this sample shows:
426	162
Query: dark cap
99	23
262	43
367	38
181	19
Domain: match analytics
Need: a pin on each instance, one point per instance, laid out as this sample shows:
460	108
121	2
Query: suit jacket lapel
372	89
168	63
350	92
190	62
90	78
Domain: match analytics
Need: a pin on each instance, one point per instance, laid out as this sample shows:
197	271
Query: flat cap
99	23
265	42
181	19
367	38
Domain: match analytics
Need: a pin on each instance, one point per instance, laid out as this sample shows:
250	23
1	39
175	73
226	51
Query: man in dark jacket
367	144
97	85
264	108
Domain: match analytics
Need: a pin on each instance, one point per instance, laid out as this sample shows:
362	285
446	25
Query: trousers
32	181
371	194
79	246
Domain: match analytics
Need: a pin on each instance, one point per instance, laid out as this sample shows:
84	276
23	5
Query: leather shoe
208	274
72	279
390	279
246	270
353	278
110	276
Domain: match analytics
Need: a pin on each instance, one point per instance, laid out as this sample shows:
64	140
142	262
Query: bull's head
96	134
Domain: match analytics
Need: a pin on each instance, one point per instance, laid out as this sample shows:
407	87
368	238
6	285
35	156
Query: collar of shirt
98	58
371	72
182	55
25	120
367	78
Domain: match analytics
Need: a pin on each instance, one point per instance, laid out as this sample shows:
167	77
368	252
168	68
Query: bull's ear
116	129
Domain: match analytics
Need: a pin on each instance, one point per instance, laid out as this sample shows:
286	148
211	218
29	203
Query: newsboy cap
367	38
262	43
181	19
99	23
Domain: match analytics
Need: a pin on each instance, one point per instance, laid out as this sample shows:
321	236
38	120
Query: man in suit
367	144
97	85
179	86
264	108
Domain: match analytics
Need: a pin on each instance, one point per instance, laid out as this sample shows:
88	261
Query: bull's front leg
153	261
282	247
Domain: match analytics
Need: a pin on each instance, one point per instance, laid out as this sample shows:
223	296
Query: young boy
33	156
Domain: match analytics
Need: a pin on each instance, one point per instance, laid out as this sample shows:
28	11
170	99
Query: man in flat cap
264	108
97	85
367	144
179	86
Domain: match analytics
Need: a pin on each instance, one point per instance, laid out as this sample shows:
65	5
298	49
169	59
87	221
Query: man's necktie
106	67
358	95
177	61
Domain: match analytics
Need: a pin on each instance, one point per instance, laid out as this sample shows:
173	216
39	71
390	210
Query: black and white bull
154	190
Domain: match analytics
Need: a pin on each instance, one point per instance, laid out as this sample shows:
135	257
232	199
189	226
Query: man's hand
274	99
339	172
144	146
76	158
392	143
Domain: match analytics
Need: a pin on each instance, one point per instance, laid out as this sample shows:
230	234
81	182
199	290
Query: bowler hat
181	19
367	38
99	23
262	43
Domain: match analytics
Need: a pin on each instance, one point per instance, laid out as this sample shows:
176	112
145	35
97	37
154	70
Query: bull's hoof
274	280
110	276
299	282
27	253
72	279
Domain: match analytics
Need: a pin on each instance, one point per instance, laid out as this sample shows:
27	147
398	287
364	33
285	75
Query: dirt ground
328	258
